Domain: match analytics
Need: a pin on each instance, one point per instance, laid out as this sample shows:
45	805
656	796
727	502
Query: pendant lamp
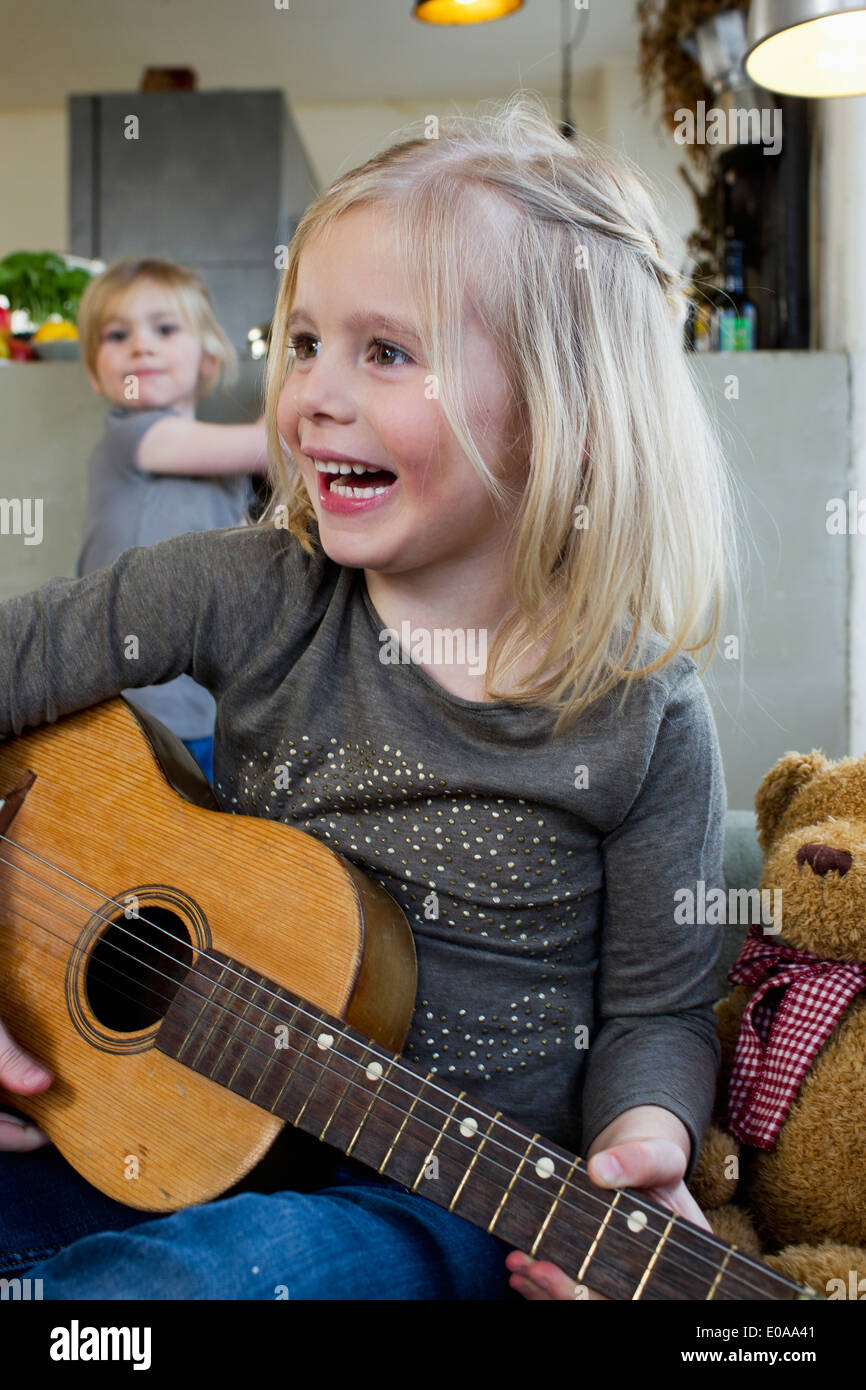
808	48
464	11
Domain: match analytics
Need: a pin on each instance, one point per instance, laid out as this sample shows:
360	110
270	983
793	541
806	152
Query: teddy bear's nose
823	857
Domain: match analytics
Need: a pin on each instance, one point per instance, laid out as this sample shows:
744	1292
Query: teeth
344	491
328	467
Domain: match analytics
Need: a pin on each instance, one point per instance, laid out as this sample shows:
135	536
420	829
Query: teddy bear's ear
774	795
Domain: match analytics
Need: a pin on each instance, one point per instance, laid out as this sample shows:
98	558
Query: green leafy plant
42	283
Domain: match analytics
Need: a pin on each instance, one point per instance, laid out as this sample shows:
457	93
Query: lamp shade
808	48
464	11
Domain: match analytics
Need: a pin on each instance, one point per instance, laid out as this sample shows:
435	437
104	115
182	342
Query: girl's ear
208	366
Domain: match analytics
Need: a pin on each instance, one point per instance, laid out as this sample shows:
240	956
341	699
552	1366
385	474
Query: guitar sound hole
135	968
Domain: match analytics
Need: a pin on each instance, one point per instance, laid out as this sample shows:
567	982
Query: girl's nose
321	392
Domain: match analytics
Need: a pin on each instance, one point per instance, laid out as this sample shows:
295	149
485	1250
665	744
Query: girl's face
147	356
358	386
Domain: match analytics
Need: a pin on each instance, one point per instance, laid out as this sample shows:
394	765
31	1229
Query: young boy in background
153	347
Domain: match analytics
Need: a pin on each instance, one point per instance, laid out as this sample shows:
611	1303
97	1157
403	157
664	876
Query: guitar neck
260	1041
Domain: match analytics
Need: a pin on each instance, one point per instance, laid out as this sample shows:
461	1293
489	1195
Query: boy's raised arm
178	445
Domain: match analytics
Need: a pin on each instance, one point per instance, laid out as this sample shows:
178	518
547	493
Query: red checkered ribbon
769	1070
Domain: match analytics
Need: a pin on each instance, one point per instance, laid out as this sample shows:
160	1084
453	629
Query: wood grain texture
289	1002
101	810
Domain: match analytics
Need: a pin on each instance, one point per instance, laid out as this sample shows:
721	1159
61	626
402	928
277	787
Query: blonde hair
190	296
559	247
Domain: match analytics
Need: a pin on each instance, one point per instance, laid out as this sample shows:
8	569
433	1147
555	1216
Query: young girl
482	423
153	347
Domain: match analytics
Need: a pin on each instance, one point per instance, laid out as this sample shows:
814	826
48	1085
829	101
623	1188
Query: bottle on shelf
698	325
736	318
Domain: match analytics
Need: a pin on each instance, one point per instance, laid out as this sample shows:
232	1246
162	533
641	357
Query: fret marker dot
324	1041
544	1167
637	1220
468	1127
374	1071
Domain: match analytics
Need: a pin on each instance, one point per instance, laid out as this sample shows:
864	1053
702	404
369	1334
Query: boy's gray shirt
126	506
554	981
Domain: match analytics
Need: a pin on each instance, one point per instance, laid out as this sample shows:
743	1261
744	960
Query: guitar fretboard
276	1050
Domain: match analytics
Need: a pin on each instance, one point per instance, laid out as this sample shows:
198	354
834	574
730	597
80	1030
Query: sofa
742	865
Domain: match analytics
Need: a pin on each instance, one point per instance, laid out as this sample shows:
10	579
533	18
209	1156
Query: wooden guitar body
118	821
194	980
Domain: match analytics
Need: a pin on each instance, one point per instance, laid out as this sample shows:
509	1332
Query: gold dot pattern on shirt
483	872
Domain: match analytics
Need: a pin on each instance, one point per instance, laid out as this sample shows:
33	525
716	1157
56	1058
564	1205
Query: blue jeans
202	751
355	1235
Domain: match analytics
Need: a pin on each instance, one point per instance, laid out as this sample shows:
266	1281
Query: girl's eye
299	343
296	344
389	347
167	328
114	335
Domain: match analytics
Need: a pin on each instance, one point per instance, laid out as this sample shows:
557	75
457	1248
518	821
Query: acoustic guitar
195	980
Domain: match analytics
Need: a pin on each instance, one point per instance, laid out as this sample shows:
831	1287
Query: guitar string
599	1260
588	1196
398	1066
342	1098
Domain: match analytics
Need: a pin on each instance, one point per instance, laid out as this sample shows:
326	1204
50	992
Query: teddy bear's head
811	815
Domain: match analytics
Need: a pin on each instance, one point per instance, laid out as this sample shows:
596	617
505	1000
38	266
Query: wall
33	181
789	435
787	440
840	292
789	443
337	136
627	126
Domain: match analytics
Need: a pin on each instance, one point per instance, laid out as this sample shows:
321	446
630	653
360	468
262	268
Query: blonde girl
501	523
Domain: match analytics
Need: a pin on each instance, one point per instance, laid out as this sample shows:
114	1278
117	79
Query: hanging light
808	48
464	11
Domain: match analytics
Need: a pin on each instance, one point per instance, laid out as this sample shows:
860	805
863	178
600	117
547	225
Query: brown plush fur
734	1225
805	1200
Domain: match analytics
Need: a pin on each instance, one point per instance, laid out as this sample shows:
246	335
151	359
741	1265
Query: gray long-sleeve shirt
126	506
538	875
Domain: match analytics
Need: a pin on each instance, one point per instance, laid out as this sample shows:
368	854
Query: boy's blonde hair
190	296
559	247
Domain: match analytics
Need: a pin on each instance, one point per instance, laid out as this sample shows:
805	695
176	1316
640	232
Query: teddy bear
785	1178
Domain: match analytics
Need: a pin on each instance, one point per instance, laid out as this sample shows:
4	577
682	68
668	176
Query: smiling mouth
354	479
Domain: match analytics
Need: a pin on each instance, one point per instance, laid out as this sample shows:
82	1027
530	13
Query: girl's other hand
654	1163
20	1073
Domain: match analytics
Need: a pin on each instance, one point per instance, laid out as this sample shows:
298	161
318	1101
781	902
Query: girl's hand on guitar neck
25	1077
650	1148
